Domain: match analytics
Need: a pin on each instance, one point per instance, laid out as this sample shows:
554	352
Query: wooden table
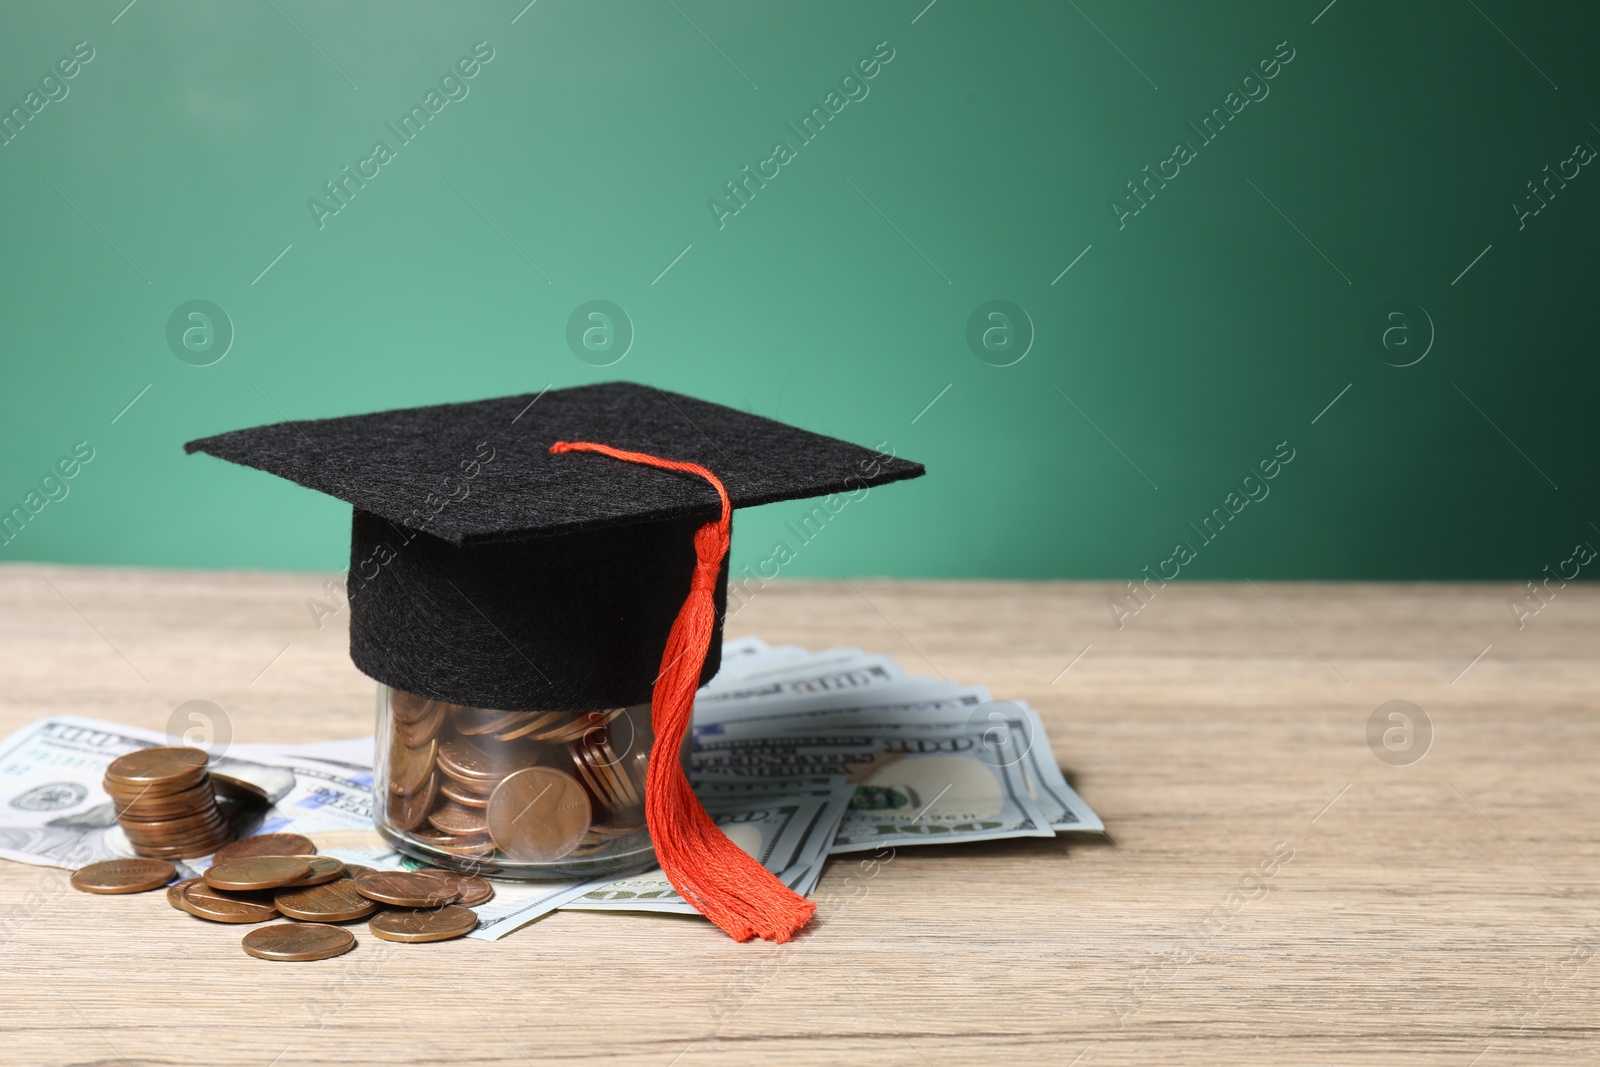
1271	891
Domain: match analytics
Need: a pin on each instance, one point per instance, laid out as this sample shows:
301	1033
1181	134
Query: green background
1218	322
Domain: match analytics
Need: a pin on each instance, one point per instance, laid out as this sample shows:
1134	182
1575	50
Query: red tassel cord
712	873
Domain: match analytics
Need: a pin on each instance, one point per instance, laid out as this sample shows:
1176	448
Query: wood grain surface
1270	890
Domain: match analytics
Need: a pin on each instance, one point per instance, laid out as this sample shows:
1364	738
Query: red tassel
712	873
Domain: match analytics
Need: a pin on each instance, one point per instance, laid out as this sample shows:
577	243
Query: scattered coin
434	924
470	890
123	876
404	889
323	869
150	766
239	789
257	872
266	845
298	941
220	906
539	814
175	892
332	902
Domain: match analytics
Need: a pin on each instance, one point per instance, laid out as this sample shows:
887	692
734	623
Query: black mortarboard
488	572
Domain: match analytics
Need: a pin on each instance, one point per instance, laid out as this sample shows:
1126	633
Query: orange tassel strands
723	882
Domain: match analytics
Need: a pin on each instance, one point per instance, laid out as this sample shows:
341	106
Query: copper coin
324	869
257	872
410	768
203	902
583	725
536	727
130	794
175	892
332	902
474	845
467	761
538	815
408	707
298	941
434	924
405	889
474	721
239	789
427	835
459	793
267	845
409	811
153	765
591	782
603	758
469	888
458	819
423	730
188	825
123	876
195	798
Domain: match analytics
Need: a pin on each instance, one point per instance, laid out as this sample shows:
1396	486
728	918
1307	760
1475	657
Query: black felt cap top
401	464
487	572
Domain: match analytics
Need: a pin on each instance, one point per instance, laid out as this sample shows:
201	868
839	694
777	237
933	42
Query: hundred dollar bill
516	904
1009	732
904	699
54	813
933	788
789	834
863	672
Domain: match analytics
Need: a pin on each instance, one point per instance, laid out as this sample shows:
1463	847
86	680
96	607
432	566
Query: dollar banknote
788	832
1007	732
847	674
54	813
516	904
933	788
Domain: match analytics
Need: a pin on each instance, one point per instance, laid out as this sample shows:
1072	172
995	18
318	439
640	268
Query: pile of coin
166	803
257	879
515	787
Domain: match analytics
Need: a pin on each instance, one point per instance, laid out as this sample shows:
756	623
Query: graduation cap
565	550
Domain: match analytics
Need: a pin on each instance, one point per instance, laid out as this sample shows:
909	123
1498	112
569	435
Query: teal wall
1179	350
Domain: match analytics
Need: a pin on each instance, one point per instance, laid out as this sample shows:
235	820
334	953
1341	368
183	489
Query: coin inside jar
404	889
407	811
203	902
298	941
266	845
435	924
123	876
257	872
458	819
539	814
331	902
410	768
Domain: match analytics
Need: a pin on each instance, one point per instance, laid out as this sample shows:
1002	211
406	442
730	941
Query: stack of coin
165	803
258	879
458	783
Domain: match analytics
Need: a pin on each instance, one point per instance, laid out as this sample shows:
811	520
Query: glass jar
513	794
